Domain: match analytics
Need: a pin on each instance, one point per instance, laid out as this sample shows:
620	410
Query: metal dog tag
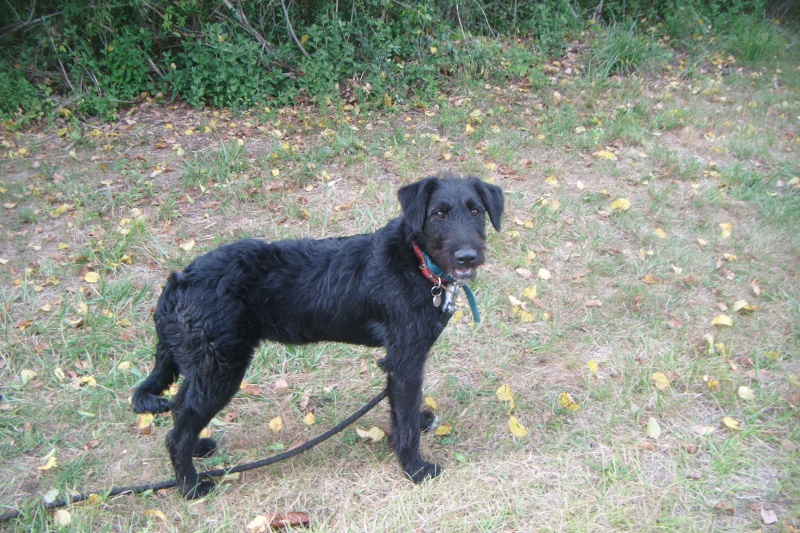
437	296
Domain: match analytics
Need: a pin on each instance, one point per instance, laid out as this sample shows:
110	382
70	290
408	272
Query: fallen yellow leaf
756	287
373	434
741	306
746	393
545	274
722	320
50	463
309	419
530	293
144	423
660	233
516	302
430	402
523	314
504	394
730	423
155	513
620	204
653	428
27	375
517	429
660	381
443	430
567	402
62	518
91	277
592	364
606	154
276	424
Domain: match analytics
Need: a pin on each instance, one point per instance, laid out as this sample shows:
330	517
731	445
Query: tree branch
597	11
291	31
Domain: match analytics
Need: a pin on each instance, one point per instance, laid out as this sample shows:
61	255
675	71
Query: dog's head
447	217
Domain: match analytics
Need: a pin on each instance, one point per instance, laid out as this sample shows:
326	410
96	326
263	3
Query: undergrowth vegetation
94	58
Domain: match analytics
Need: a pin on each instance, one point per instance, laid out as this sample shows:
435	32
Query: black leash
138	489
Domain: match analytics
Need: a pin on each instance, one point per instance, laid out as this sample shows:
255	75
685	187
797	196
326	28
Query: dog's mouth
463	274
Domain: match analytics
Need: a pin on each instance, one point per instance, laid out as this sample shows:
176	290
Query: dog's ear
492	198
414	200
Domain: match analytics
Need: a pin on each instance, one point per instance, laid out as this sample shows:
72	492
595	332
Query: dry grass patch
630	293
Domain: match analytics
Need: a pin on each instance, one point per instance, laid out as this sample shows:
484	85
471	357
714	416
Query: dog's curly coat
364	289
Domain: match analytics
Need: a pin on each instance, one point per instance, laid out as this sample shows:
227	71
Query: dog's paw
204	448
198	491
425	471
149	403
428	421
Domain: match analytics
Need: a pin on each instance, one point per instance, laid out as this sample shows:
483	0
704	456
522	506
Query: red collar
423	266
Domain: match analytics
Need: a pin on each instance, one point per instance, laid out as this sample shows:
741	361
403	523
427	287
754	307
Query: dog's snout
466	257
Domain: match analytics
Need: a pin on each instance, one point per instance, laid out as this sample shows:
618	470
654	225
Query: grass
691	152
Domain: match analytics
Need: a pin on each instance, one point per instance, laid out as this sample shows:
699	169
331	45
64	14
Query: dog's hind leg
147	396
200	397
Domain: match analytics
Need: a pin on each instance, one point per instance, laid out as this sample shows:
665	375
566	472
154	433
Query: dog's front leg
405	388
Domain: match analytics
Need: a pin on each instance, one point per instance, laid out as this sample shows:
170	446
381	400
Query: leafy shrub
221	68
19	98
100	55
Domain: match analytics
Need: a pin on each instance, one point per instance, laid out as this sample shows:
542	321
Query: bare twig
242	20
572	9
460	24
11	7
491	30
60	64
27	24
155	67
597	11
291	30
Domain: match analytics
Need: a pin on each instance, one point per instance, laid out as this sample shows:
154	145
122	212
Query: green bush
19	97
97	56
222	68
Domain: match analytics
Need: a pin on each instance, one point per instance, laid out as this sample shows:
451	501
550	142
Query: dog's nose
466	257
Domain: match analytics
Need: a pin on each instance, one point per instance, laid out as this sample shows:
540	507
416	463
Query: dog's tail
147	396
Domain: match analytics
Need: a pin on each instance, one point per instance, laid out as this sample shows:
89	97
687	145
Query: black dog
371	289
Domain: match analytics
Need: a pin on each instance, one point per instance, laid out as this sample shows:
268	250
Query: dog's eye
475	212
440	214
